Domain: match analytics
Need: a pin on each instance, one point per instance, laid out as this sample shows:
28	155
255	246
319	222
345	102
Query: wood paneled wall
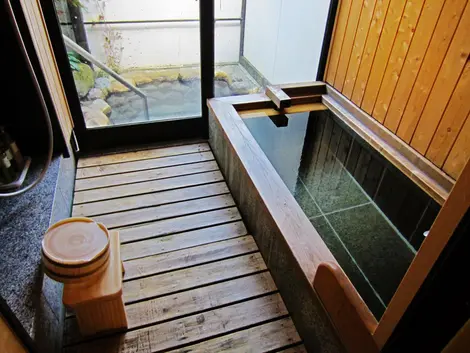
37	27
406	63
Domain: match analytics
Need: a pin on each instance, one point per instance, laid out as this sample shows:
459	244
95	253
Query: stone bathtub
346	243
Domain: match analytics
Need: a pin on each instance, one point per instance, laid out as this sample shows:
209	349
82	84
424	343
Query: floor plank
107	181
177	333
147	200
186	303
181	241
178	224
198	255
194	279
260	339
143	154
127	218
147	187
171	282
143	165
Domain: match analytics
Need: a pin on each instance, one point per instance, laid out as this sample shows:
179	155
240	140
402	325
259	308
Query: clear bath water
369	214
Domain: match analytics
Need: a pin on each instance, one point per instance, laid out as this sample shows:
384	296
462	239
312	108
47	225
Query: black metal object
329	27
187	20
242	27
206	14
76	20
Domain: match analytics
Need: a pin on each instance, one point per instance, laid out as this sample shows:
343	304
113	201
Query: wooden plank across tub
195	279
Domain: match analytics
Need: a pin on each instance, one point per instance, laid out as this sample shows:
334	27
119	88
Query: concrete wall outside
283	38
162	44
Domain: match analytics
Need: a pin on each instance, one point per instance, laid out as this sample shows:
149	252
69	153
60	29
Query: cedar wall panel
37	27
406	63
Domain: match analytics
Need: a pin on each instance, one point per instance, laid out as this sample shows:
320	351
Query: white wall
163	44
283	38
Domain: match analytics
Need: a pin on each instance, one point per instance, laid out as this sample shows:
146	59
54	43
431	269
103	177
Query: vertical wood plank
354	15
460	153
387	39
365	22
370	48
35	21
452	121
446	82
335	51
397	57
414	59
437	50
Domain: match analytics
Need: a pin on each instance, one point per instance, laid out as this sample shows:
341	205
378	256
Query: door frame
91	140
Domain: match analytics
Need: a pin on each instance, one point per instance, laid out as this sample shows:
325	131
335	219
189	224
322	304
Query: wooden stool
86	258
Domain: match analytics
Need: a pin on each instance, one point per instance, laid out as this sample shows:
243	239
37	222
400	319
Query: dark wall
21	109
442	305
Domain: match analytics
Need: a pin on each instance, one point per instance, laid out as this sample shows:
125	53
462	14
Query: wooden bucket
75	250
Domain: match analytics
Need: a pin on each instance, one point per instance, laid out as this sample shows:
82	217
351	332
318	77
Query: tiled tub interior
370	215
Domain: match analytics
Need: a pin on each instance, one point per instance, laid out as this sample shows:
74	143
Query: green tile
378	249
333	187
349	267
305	201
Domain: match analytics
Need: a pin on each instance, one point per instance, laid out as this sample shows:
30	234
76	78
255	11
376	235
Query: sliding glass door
141	70
135	68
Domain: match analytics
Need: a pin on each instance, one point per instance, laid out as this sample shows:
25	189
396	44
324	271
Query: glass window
152	45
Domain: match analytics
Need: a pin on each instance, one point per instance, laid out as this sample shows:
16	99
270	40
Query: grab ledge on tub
347	311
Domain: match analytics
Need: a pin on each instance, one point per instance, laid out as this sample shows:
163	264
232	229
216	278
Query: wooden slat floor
195	280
